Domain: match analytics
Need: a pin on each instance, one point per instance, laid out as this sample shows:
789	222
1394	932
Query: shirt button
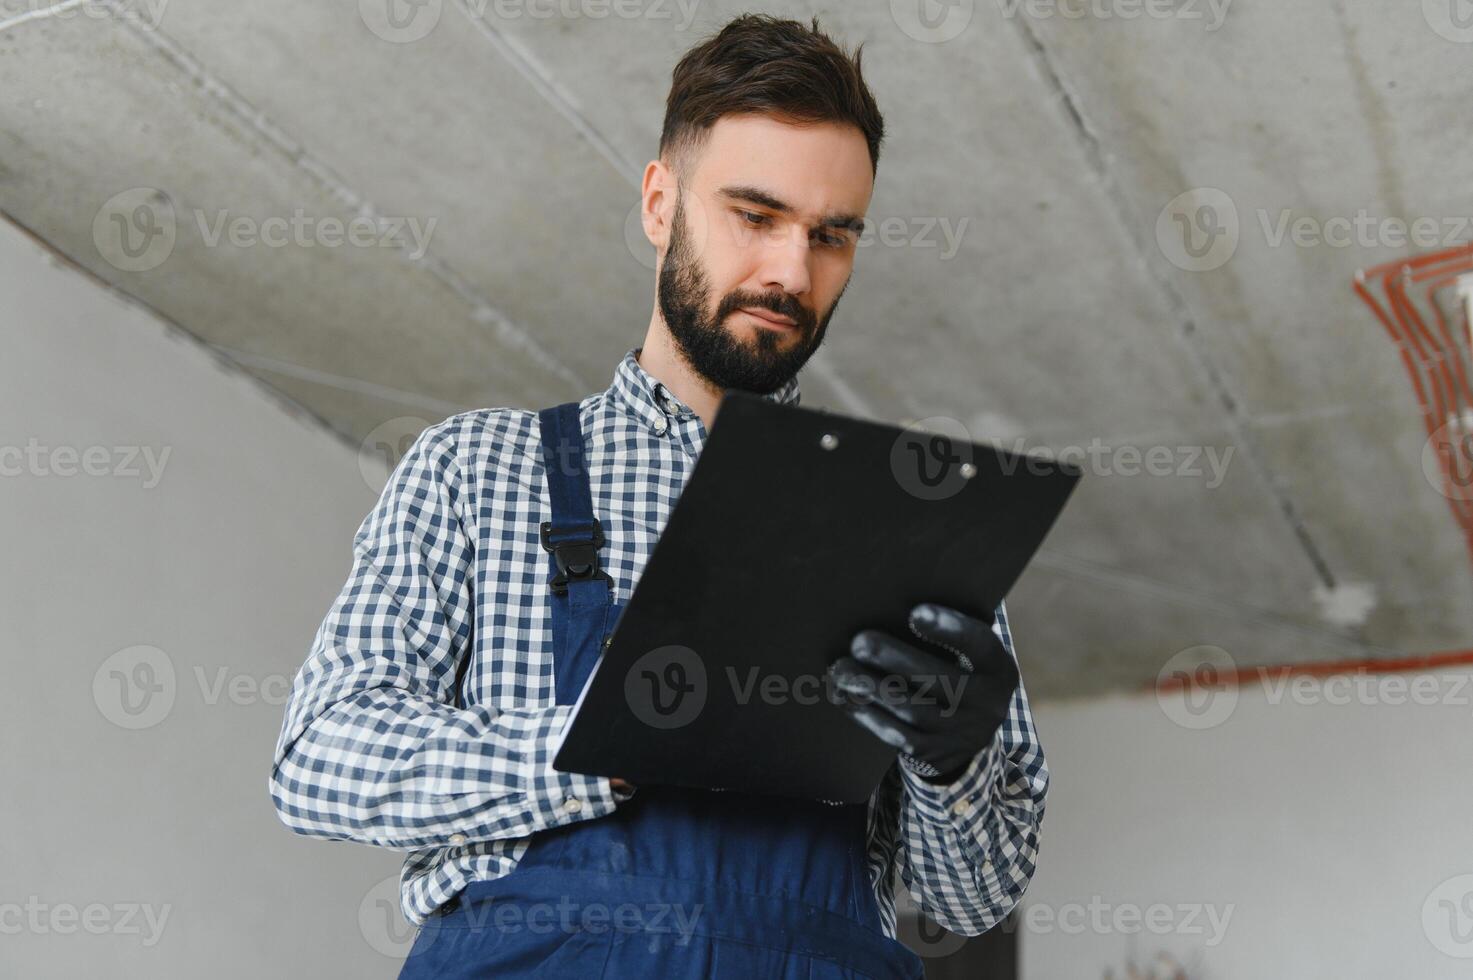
660	427
573	804
457	838
961	808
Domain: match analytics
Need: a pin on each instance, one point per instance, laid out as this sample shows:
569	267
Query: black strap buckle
577	560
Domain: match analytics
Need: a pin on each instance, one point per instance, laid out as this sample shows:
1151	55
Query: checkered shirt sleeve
372	748
966	851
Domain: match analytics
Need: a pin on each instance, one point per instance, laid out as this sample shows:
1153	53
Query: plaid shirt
373	749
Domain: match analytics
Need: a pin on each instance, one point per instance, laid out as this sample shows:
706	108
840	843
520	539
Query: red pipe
1331	668
1450	397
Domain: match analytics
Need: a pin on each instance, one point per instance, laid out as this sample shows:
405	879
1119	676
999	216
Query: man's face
767	222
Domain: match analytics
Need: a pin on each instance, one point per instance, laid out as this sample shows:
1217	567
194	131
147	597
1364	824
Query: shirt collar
651	402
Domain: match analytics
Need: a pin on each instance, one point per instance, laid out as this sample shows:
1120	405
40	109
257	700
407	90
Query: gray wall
138	834
1306	827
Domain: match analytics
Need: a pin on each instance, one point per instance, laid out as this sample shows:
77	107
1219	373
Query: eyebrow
756	195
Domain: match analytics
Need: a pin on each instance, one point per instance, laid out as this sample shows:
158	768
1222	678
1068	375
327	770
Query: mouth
769	319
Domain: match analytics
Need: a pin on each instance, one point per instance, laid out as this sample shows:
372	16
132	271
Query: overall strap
581	589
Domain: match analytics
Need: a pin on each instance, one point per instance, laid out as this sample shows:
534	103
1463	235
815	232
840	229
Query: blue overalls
675	883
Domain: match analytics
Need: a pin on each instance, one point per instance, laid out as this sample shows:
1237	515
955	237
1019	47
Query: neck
659	357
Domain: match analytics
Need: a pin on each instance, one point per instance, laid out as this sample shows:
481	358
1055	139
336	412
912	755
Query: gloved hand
939	701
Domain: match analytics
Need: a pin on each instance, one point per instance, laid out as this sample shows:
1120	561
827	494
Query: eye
832	241
761	219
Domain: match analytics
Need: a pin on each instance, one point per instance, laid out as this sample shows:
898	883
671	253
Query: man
496	562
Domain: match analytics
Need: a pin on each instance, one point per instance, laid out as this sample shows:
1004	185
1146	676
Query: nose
785	262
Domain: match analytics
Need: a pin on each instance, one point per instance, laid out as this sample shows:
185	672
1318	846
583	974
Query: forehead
817	168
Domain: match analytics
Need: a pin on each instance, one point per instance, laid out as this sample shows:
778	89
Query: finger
893	655
856	683
849	681
955	631
920	701
885	726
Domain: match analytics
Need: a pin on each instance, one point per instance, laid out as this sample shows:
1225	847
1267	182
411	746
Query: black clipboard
797	528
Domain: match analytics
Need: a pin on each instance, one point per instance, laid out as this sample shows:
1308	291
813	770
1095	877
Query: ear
657	203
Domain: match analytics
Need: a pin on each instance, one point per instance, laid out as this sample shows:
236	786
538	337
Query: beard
716	353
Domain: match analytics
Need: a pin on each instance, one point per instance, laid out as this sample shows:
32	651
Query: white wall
224	561
1323	830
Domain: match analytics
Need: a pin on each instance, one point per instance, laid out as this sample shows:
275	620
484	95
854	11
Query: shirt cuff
943	803
559	798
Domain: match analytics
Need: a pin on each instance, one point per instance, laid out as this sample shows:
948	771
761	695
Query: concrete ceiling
1060	312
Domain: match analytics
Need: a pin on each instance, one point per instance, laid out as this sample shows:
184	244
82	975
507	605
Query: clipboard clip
577	558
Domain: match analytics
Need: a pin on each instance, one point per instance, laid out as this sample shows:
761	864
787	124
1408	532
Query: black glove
940	701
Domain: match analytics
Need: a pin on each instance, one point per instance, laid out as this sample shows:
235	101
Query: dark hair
762	64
